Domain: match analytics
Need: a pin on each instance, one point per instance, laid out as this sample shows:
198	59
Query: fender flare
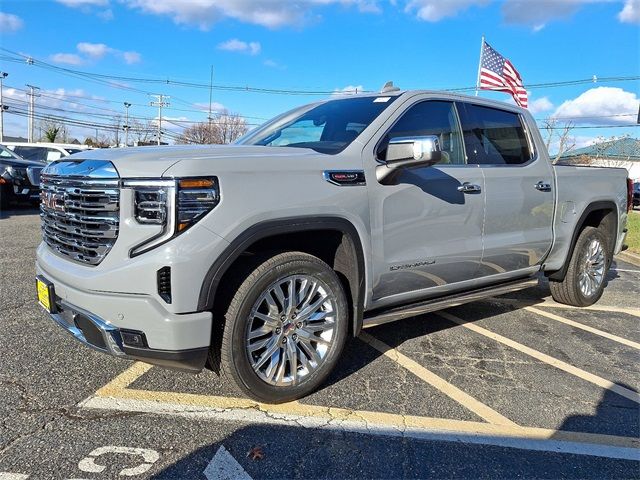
280	226
559	275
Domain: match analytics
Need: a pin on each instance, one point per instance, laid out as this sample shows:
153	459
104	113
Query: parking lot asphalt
509	387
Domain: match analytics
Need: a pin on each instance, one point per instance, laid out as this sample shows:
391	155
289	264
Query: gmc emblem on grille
53	201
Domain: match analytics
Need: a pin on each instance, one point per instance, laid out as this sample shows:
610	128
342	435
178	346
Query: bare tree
559	137
53	130
199	133
224	128
228	127
142	132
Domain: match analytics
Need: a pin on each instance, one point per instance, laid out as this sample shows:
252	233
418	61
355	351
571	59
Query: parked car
262	257
45	152
636	194
19	179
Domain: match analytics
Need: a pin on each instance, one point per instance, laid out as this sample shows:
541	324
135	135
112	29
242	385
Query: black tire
233	355
568	290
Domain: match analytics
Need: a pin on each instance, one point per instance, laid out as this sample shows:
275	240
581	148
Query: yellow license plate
44	294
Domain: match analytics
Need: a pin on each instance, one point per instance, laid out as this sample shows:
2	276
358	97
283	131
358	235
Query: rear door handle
543	187
467	187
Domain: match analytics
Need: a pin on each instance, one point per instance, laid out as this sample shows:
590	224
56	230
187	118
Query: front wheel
284	327
584	282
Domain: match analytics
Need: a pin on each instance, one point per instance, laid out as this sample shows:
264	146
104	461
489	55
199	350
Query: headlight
175	205
196	198
6	173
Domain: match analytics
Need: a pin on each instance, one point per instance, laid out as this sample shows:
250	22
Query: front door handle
543	187
467	187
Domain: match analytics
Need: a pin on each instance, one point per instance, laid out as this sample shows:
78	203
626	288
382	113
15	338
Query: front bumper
97	334
108	323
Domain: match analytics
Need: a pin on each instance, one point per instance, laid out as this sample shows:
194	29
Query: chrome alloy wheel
592	269
291	329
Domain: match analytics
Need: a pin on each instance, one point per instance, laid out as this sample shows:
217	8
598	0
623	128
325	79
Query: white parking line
548	303
589	377
372	423
586	328
624	270
483	411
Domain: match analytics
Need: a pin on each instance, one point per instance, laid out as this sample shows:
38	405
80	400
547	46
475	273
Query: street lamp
126	126
3	75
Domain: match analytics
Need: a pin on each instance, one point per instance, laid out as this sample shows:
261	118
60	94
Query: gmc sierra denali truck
262	257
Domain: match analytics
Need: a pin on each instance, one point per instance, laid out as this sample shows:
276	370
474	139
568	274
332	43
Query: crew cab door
518	187
426	223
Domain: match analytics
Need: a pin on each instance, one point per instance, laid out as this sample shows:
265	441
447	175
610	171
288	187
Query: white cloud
542	104
521	12
348	90
235	45
273	64
93	50
131	57
436	10
106	15
10	23
84	3
67	58
215	107
630	13
271	14
601	104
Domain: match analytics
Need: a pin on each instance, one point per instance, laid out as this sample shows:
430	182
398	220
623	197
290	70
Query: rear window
493	136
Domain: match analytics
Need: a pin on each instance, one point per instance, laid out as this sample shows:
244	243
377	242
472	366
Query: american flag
497	73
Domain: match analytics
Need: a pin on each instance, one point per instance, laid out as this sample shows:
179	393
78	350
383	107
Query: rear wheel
585	279
284	327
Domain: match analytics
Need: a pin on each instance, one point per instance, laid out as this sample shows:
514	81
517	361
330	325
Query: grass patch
633	235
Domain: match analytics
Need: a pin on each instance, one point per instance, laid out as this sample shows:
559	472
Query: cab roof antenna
389	87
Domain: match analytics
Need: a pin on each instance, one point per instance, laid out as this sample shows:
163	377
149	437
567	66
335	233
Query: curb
629	257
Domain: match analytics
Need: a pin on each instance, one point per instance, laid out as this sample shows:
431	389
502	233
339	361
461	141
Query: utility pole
210	99
32	106
126	126
160	103
3	75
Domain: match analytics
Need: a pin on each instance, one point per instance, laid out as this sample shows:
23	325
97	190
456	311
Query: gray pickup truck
261	258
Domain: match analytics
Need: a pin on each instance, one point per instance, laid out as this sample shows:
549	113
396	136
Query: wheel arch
597	214
348	260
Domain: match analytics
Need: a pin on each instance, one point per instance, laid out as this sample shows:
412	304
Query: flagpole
479	66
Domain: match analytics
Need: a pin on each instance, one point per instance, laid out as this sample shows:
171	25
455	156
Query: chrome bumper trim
65	317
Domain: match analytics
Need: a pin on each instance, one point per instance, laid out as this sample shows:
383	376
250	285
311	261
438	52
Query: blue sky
314	45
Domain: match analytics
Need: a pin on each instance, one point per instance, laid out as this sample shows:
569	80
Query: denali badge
345	177
394	268
53	201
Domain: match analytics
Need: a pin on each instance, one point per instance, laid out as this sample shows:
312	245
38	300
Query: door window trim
527	133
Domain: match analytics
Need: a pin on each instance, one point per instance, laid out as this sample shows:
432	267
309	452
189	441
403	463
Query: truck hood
155	161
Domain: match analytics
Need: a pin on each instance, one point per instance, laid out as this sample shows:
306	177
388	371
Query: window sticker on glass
382	99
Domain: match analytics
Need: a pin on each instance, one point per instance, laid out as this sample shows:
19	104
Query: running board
398	313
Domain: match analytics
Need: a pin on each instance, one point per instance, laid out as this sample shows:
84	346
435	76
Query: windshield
5	153
326	128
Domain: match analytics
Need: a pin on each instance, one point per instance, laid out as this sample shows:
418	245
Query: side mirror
407	152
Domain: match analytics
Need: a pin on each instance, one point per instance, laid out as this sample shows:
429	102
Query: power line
110	79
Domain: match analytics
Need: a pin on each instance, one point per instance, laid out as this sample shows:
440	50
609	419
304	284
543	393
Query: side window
493	137
430	118
53	155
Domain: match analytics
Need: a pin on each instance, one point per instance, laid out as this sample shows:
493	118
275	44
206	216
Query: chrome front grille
80	216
